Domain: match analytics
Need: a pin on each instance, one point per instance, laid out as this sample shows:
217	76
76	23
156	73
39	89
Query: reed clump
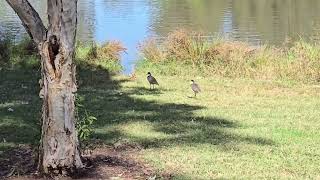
107	55
185	49
152	51
109	51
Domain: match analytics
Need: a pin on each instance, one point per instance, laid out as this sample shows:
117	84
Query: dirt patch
17	161
106	162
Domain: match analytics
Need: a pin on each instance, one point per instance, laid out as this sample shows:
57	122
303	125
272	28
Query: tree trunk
59	141
59	144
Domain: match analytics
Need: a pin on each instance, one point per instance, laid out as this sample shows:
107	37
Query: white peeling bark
59	141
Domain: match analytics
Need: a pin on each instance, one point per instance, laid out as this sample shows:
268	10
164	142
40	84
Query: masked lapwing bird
195	88
152	81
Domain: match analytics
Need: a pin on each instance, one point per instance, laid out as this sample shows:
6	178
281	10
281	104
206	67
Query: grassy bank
24	55
294	61
240	126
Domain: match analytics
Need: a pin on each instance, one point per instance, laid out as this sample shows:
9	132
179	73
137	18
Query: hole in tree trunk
53	50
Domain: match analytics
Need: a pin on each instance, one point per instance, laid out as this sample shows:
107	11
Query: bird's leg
150	86
195	94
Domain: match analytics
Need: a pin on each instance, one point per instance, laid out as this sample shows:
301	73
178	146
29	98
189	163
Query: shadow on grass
112	105
19	106
146	91
19	120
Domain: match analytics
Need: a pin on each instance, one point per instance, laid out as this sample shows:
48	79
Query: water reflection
270	21
130	21
127	21
9	21
274	20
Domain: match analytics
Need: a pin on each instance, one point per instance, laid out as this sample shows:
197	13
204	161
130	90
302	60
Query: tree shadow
113	106
19	106
147	91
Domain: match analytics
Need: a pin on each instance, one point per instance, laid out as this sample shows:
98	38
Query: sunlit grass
236	128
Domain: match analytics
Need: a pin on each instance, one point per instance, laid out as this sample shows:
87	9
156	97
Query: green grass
18	91
236	128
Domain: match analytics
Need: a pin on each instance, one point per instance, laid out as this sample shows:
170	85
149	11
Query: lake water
131	21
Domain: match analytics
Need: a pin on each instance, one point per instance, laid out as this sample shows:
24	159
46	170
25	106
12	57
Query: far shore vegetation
257	116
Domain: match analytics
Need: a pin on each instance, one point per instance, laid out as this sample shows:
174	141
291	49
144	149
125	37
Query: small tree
56	44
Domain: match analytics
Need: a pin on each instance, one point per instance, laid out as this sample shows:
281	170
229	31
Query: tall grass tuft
111	50
107	55
185	49
151	51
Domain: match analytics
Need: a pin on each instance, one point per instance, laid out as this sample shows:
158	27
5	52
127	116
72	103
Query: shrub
84	125
106	56
111	51
93	51
151	51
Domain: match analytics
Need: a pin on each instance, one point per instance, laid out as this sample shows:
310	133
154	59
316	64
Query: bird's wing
199	88
154	81
195	87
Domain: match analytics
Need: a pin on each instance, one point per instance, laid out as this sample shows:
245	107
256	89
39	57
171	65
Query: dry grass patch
300	62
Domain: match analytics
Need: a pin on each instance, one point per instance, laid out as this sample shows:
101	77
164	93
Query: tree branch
30	19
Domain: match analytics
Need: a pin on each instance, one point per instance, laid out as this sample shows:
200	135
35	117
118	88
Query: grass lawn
236	128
